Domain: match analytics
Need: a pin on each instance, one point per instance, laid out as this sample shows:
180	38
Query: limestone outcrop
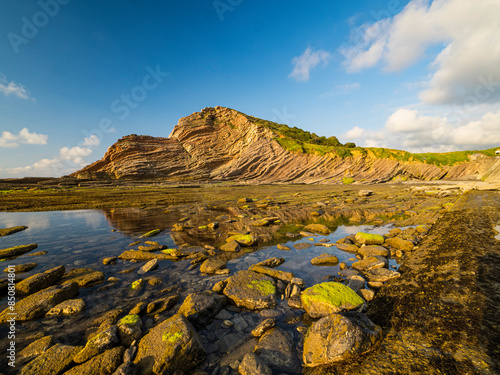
222	144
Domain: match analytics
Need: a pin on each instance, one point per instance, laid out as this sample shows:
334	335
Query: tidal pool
81	239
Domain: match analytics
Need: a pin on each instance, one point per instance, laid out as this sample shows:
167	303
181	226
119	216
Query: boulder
253	365
373	250
369	238
318	228
370	262
54	361
211	265
251	290
38	304
173	345
129	329
103	364
232	246
400	244
325	259
277	350
328	298
201	308
243	239
337	337
40	281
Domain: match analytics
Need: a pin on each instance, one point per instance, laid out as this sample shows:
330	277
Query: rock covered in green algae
129	329
201	308
337	337
318	228
369	238
54	361
328	298
38	304
40	281
151	233
16	250
251	290
102	364
145	255
173	345
243	239
12	230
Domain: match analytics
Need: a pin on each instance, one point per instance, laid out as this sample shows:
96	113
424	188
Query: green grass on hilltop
297	140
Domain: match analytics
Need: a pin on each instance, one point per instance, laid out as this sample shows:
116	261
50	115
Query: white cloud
42	168
93	140
12	88
470	53
10	140
75	154
355	133
307	61
410	130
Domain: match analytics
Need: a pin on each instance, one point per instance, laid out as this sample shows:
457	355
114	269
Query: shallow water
81	239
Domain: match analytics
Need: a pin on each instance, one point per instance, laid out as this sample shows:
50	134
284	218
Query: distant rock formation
222	144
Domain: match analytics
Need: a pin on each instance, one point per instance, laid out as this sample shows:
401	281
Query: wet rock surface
228	332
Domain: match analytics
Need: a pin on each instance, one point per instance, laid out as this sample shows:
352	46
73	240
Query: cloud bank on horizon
464	78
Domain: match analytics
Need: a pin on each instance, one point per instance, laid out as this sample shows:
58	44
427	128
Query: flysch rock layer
222	144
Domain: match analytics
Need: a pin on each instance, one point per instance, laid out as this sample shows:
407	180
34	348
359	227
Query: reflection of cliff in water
231	219
137	221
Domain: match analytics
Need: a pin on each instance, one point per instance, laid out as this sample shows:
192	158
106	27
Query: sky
75	76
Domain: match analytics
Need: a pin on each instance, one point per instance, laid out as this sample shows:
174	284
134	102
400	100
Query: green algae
136	284
369	238
172	337
264	286
130	320
151	233
332	294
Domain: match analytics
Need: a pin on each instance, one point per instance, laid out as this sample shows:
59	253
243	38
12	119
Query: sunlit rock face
222	144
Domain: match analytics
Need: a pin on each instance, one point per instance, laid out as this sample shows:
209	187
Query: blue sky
77	75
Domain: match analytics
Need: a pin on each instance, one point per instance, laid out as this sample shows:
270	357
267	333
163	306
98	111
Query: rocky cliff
221	144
